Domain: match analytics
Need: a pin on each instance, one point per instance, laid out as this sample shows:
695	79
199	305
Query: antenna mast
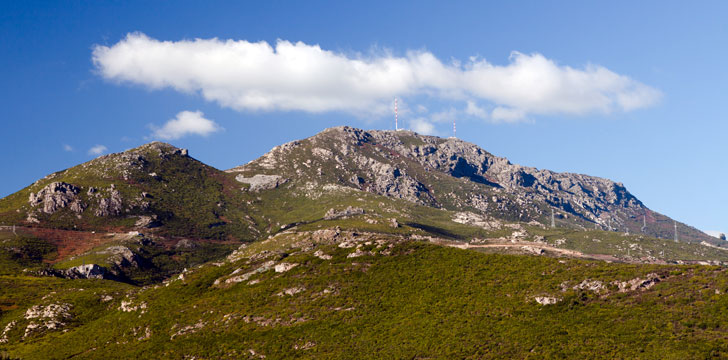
553	222
396	124
675	223
454	130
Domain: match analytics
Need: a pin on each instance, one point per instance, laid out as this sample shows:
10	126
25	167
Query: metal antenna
553	221
396	124
675	223
455	130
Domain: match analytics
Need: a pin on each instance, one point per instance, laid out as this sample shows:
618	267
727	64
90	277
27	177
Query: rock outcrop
110	205
49	317
121	256
260	182
55	196
87	271
346	213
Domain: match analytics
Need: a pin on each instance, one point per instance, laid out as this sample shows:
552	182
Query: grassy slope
424	302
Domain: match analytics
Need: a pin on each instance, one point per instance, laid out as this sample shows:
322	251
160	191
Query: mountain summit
456	175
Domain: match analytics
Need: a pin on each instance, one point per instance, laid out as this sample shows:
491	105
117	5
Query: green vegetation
23	251
628	247
364	285
422	301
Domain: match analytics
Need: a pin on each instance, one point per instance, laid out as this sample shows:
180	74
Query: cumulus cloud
186	123
246	75
473	109
97	150
504	114
422	126
67	147
445	116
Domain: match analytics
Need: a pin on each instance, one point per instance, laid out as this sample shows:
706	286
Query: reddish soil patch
69	242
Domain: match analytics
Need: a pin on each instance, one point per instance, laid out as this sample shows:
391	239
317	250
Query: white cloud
67	147
186	123
507	114
296	76
473	109
97	150
422	126
445	116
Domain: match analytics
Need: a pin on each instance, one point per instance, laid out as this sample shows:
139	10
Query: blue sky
633	91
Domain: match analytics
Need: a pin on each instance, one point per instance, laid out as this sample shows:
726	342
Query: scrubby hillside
329	295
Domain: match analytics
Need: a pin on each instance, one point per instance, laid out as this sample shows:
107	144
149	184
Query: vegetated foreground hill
349	244
338	295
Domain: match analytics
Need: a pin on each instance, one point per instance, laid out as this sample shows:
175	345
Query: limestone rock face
262	182
585	196
88	271
122	257
55	196
110	205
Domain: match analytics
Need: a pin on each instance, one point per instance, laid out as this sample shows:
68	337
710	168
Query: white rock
283	267
546	300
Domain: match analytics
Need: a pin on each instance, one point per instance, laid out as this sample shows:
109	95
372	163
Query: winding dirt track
524	244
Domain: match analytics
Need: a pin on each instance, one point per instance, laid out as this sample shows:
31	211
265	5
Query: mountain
459	176
350	244
138	213
154	185
150	211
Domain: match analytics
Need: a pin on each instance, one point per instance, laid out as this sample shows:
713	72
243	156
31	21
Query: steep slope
153	186
136	216
459	176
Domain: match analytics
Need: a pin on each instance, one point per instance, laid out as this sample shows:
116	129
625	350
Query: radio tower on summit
396	125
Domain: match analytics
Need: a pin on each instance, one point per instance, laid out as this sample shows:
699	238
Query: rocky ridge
460	176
